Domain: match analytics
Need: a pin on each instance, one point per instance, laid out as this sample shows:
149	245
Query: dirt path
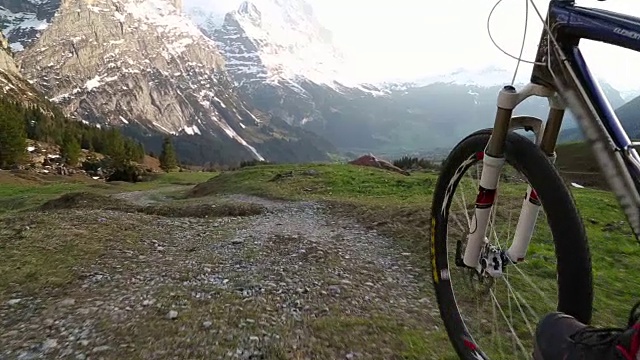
292	283
149	197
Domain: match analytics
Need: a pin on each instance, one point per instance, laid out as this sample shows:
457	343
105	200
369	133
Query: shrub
408	163
253	162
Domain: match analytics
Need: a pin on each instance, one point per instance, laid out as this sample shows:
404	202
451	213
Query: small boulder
372	161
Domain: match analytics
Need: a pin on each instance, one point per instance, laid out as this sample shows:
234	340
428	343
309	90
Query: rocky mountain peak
250	11
277	41
144	67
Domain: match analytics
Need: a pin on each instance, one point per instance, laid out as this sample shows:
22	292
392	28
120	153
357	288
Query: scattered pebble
67	302
172	314
99	349
49	344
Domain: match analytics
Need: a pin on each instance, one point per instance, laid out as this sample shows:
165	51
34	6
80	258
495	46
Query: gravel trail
292	283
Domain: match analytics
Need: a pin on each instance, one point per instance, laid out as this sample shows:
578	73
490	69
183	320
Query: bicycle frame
566	81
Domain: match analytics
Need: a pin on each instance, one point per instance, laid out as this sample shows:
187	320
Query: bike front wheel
494	317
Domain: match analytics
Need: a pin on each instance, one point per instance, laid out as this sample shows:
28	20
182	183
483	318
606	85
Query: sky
408	39
413	38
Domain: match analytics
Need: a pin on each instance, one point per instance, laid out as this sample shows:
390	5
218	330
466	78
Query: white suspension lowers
491	169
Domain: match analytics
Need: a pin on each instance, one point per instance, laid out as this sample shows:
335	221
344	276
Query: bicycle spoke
513	332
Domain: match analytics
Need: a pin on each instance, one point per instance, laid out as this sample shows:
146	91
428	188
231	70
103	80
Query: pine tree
134	150
70	149
114	147
168	158
54	127
13	137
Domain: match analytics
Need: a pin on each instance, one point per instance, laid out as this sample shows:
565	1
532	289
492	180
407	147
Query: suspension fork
531	203
493	161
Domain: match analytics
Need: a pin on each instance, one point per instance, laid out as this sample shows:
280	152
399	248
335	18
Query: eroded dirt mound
85	200
209	187
205	210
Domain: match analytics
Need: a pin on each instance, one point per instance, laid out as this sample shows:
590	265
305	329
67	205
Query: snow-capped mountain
491	76
280	57
277	41
629	95
141	64
283	62
488	76
490	79
146	67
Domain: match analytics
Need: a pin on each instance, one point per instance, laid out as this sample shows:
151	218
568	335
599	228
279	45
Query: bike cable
524	37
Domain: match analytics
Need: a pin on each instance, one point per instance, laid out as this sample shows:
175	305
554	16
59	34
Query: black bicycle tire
575	279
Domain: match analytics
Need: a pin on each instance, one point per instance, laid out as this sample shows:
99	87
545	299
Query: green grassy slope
577	164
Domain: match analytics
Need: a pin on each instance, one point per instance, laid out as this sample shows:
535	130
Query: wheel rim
499	317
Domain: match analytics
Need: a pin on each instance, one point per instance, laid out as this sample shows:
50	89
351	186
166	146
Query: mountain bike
469	238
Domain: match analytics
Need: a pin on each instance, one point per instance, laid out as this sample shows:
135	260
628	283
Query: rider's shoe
562	337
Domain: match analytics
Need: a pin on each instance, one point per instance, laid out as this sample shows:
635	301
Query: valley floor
293	282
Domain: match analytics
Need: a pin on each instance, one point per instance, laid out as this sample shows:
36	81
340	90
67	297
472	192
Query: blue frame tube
573	23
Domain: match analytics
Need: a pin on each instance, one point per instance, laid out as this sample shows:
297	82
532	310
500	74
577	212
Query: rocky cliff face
140	64
7	63
12	84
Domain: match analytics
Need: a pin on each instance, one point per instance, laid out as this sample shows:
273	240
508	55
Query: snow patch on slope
191	130
210	18
234	135
278	42
15	23
163	14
